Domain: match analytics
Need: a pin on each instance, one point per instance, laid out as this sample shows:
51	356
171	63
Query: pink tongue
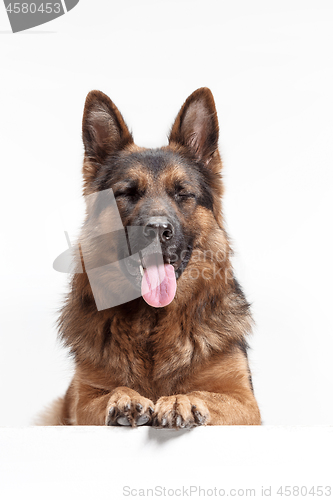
158	286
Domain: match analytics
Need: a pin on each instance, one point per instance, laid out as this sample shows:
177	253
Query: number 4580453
32	8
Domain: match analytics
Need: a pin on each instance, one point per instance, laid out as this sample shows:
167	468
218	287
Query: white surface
87	462
269	65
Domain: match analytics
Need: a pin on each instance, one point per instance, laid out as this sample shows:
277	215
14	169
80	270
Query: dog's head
171	194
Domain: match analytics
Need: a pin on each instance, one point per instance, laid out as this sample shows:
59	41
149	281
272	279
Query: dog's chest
153	356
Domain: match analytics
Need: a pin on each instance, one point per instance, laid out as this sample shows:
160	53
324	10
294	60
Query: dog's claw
123	421
142	420
198	417
179	421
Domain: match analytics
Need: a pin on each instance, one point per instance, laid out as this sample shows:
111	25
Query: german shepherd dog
175	356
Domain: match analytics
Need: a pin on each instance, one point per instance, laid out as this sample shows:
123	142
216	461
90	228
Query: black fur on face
158	184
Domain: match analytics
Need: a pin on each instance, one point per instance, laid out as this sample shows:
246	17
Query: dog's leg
219	394
122	406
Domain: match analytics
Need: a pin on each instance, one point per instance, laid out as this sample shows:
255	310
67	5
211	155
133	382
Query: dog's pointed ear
196	125
104	130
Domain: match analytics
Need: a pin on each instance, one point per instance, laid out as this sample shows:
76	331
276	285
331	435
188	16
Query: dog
175	356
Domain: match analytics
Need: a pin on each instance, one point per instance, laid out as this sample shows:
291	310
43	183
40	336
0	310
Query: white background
269	66
72	463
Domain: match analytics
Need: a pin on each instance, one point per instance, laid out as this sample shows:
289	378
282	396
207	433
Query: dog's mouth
158	276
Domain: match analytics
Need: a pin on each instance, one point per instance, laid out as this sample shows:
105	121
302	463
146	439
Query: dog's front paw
180	412
127	407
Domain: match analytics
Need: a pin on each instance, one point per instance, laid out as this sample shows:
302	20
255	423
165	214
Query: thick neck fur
135	344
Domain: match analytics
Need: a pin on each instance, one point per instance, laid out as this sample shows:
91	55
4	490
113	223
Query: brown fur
182	365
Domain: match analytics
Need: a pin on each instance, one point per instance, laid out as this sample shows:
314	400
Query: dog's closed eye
130	191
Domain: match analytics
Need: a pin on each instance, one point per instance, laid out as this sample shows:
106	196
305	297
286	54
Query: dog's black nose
160	226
